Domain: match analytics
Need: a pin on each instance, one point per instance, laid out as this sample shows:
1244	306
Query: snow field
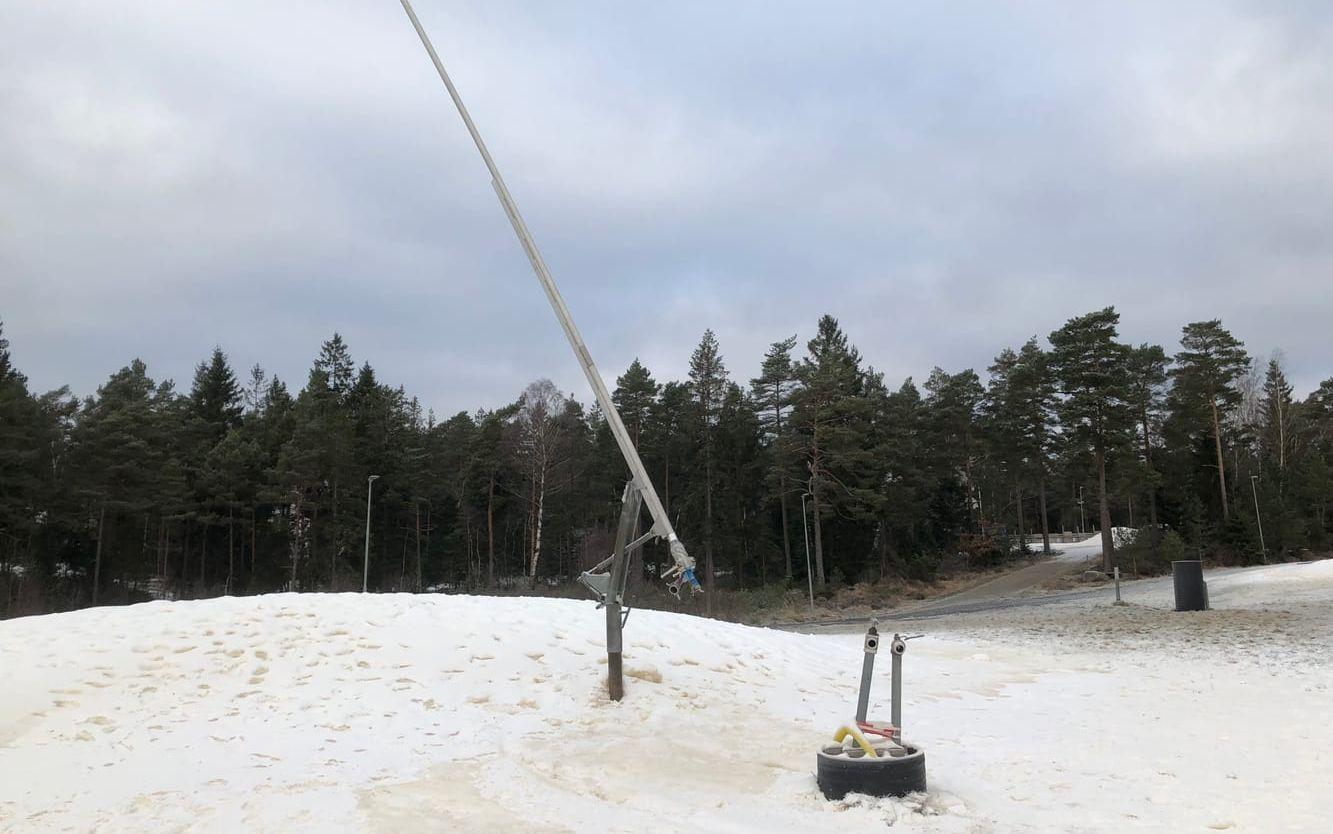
454	713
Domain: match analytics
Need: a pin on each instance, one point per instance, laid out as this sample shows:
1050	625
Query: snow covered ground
451	713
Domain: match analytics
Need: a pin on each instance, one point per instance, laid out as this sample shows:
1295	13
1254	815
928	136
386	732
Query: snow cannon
870	757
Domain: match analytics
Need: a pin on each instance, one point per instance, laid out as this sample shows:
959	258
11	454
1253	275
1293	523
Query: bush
1152	551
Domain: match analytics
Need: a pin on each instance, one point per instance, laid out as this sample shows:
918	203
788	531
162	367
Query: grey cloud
947	178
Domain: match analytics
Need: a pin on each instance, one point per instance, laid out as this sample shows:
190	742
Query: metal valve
872	640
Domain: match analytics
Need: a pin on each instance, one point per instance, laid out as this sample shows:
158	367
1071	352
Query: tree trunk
418	523
708	534
881	544
782	476
786	533
1152	485
490	534
1281	434
298	543
819	528
231	548
334	544
1221	470
185	557
470	576
1045	521
166	552
1104	506
537	525
97	559
1018	501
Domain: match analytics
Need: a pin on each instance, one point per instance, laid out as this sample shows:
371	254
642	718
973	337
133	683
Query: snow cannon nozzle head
684	577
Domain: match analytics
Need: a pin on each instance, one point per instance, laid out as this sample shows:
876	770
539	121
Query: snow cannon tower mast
607	580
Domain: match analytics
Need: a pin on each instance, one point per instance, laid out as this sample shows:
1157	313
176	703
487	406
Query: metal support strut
609	587
867	671
897	647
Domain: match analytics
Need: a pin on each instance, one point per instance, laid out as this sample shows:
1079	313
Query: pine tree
1090	367
739	468
1145	390
118	456
1034	392
1208	367
829	417
953	402
1003	428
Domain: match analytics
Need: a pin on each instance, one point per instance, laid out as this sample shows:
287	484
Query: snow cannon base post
871	758
608	579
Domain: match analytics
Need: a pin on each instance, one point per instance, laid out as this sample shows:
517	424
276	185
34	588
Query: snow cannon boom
606	580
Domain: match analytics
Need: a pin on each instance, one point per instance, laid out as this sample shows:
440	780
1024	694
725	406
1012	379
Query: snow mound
399	713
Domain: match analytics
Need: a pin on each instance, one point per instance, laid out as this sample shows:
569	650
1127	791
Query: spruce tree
634	396
772	392
1277	418
708	384
216	396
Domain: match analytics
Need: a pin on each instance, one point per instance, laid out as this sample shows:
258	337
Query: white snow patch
353	712
1091	547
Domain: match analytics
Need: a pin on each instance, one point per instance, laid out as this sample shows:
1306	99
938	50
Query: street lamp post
809	574
1082	524
365	571
1254	488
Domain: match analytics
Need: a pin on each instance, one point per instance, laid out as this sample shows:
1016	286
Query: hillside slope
453	713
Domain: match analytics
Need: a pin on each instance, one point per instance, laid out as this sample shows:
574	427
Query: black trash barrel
1191	595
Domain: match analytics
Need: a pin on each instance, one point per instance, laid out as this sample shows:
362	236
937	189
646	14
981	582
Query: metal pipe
684	563
1117	586
896	709
867	670
615	595
1254	488
365	571
809	573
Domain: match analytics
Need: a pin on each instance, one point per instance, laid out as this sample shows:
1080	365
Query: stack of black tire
841	771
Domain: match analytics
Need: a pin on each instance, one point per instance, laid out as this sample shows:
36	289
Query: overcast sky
947	178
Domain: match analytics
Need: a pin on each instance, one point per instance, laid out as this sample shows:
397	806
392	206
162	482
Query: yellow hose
857	736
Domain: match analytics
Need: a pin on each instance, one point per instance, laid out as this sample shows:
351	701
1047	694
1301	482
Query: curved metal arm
682	571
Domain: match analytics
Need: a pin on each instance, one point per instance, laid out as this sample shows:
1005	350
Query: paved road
1009	590
967	603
